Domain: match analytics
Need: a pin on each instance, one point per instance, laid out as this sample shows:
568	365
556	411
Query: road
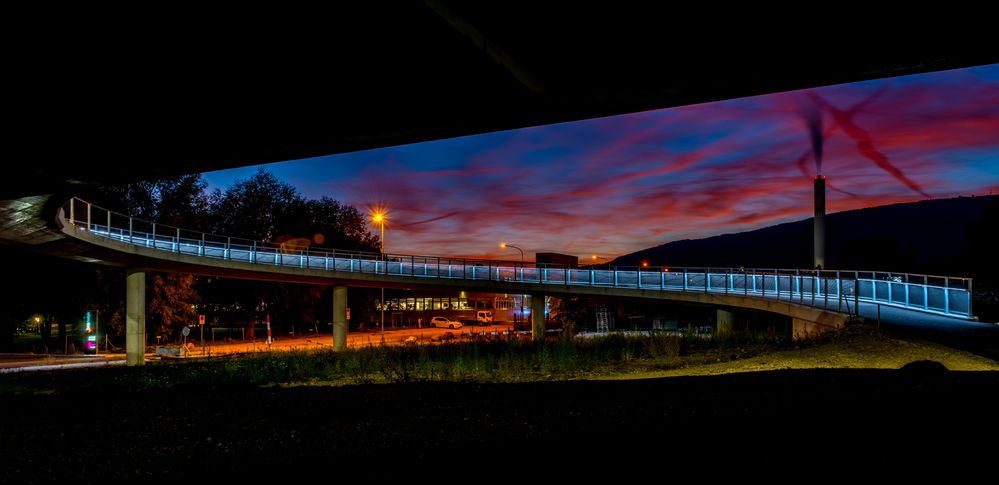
36	362
354	339
399	336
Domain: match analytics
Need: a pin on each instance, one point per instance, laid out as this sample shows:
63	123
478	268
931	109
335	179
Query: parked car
443	322
484	317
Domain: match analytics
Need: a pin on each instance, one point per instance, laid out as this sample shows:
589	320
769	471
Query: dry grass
858	347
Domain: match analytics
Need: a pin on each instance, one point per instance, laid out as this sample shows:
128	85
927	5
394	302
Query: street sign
186	331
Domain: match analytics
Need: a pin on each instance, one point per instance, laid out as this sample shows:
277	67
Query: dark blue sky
614	185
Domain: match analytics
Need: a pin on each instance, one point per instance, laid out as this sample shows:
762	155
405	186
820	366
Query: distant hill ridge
941	236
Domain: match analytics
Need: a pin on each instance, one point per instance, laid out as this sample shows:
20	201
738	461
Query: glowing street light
505	245
595	260
379	217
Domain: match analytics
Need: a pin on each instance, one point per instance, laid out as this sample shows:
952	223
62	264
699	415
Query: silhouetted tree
338	226
569	312
269	210
135	199
182	202
260	207
171	304
177	201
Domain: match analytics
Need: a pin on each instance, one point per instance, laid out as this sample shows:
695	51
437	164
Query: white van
484	316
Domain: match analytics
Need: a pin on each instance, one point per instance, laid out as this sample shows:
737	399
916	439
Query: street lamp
379	217
504	246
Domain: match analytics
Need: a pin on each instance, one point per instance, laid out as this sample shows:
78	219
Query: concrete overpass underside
186	92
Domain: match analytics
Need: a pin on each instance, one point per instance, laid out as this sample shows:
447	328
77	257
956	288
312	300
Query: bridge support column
724	322
135	317
538	316
339	318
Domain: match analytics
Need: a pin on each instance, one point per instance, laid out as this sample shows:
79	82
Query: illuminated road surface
37	362
354	339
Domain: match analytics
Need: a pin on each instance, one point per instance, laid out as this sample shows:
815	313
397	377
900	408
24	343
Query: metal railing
837	290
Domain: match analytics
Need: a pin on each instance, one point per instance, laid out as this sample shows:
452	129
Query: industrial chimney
820	221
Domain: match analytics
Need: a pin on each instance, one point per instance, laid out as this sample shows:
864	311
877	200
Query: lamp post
379	218
504	246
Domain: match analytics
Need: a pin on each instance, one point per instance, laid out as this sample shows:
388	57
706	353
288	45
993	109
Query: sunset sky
615	185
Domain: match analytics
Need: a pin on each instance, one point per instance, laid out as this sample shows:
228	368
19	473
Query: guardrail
831	289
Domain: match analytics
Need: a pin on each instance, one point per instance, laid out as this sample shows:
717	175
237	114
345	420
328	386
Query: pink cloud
616	185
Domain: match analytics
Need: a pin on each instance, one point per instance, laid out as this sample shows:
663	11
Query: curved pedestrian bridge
813	299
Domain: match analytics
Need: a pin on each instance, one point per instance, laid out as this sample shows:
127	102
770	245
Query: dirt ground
835	410
856	348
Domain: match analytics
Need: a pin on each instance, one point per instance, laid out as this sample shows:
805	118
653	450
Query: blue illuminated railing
835	290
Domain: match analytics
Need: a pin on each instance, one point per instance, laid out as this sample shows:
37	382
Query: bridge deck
844	292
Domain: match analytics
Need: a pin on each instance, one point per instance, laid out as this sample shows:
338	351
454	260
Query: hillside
951	237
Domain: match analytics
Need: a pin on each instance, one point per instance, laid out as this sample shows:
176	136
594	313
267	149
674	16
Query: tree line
261	207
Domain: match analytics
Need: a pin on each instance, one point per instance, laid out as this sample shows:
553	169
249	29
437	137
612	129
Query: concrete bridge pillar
339	318
538	316
723	324
135	317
